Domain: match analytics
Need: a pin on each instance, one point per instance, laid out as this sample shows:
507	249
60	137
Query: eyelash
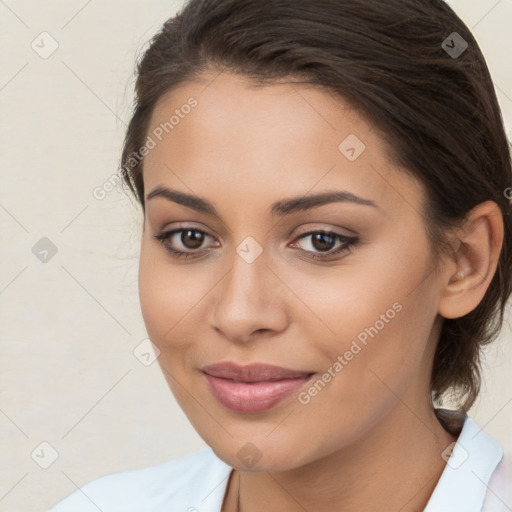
348	243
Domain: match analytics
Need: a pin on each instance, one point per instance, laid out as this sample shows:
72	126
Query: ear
467	277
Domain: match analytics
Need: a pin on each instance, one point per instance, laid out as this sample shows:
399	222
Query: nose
249	301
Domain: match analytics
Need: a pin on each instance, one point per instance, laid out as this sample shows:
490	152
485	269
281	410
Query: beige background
68	375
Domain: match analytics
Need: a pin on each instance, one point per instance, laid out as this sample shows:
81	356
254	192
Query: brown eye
192	239
183	242
322	241
322	244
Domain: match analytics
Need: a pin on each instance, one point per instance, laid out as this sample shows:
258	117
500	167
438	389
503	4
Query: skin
369	440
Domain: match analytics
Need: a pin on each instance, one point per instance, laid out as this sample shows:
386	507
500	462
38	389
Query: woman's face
271	281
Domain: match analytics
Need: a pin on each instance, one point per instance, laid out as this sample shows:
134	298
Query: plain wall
68	375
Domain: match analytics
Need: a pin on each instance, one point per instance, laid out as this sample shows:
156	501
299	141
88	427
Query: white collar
465	479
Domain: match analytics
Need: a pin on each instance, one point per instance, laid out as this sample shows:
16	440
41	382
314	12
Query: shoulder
188	482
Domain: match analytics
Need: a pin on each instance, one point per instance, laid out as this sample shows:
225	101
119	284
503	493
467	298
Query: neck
376	473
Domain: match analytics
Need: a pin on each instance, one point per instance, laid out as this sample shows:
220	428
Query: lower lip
255	396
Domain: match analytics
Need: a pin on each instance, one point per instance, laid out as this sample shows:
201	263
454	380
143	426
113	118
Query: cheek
164	296
386	357
378	318
351	303
153	299
385	289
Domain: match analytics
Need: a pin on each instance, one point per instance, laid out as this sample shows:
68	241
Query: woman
327	246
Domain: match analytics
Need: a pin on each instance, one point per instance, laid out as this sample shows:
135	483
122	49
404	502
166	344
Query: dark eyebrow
280	208
301	203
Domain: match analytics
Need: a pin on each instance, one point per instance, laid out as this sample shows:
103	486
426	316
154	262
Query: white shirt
476	478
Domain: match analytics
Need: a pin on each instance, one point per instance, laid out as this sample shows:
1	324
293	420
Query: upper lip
255	372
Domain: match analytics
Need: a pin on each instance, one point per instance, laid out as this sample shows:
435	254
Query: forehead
283	139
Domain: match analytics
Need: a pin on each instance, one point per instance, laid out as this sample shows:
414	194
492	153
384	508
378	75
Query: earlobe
475	261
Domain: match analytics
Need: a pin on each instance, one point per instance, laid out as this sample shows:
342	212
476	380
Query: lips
252	388
255	372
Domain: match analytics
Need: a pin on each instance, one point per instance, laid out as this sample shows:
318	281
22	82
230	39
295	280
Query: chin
256	457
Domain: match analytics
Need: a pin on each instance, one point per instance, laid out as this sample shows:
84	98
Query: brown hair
394	61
